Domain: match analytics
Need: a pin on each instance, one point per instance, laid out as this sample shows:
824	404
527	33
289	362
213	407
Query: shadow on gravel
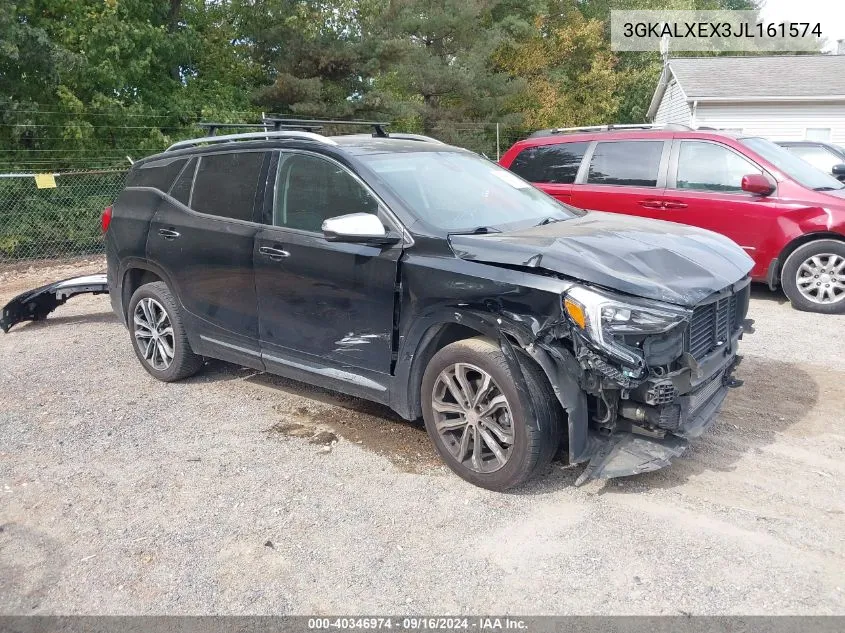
77	319
761	292
775	396
326	415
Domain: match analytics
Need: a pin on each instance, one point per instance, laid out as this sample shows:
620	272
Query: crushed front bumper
655	419
34	305
635	449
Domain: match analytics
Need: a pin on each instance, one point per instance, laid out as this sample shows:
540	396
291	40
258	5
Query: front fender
560	367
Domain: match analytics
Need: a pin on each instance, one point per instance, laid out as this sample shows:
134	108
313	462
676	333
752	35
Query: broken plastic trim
36	304
624	454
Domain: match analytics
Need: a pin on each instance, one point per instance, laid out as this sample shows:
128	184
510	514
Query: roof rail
315	124
612	127
252	136
416	137
275	127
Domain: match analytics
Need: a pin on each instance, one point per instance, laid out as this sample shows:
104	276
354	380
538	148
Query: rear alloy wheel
158	336
814	277
153	333
489	431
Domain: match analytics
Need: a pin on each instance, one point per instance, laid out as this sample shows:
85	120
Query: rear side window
630	163
550	163
181	189
158	174
226	184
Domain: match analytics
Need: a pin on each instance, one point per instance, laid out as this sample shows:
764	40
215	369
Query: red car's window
631	163
556	163
711	167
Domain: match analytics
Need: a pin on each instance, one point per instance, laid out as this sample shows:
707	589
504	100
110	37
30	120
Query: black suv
422	276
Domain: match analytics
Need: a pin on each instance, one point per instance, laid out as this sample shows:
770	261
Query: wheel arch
430	335
137	274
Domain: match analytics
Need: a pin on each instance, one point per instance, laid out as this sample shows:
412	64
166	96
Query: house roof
751	78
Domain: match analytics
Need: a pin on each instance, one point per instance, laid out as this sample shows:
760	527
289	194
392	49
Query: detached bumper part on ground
34	305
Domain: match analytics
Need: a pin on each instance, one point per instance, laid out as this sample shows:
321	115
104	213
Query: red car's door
623	177
704	189
552	167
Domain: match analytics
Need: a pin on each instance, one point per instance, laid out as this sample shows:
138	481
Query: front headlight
615	323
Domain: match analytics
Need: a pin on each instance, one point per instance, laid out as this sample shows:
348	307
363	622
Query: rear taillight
105	219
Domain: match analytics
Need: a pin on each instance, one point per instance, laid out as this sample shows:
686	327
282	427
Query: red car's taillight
105	219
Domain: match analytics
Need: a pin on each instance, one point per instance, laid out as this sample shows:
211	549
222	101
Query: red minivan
787	215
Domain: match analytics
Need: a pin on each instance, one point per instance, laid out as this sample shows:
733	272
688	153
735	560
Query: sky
830	13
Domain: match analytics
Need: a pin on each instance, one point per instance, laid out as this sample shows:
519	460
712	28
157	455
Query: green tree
568	68
95	80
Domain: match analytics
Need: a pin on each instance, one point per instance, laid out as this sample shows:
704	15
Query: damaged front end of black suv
642	346
657	376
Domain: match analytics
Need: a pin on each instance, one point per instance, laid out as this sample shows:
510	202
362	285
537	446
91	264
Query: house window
818	134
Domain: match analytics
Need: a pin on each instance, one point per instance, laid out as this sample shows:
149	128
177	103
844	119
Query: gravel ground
242	493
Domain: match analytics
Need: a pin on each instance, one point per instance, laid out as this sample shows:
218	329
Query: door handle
276	254
169	234
651	204
669	204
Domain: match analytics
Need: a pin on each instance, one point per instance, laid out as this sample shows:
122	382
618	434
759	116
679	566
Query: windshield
801	172
461	192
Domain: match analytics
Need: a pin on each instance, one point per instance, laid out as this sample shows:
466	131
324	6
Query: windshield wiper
548	220
826	188
479	230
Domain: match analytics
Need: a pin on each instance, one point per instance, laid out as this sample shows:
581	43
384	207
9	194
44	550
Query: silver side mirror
359	228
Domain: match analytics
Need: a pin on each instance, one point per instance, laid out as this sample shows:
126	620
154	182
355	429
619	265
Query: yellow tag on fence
45	181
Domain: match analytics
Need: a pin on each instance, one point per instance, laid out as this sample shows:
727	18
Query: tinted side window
226	184
632	163
181	189
158	174
550	163
711	167
310	189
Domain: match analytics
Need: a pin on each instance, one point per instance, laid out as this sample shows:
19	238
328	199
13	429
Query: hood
669	262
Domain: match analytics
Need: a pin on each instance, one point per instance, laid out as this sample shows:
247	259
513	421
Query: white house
783	98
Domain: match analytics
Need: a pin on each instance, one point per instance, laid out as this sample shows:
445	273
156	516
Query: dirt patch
334	418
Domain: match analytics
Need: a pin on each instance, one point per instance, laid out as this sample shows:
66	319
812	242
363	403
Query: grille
713	323
703	394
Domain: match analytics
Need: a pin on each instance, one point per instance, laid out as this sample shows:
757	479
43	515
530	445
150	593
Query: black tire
789	282
184	362
535	438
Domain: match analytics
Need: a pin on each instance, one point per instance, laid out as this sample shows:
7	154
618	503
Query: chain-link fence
57	215
49	216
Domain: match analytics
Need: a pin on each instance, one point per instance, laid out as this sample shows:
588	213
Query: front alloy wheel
153	333
473	417
494	420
